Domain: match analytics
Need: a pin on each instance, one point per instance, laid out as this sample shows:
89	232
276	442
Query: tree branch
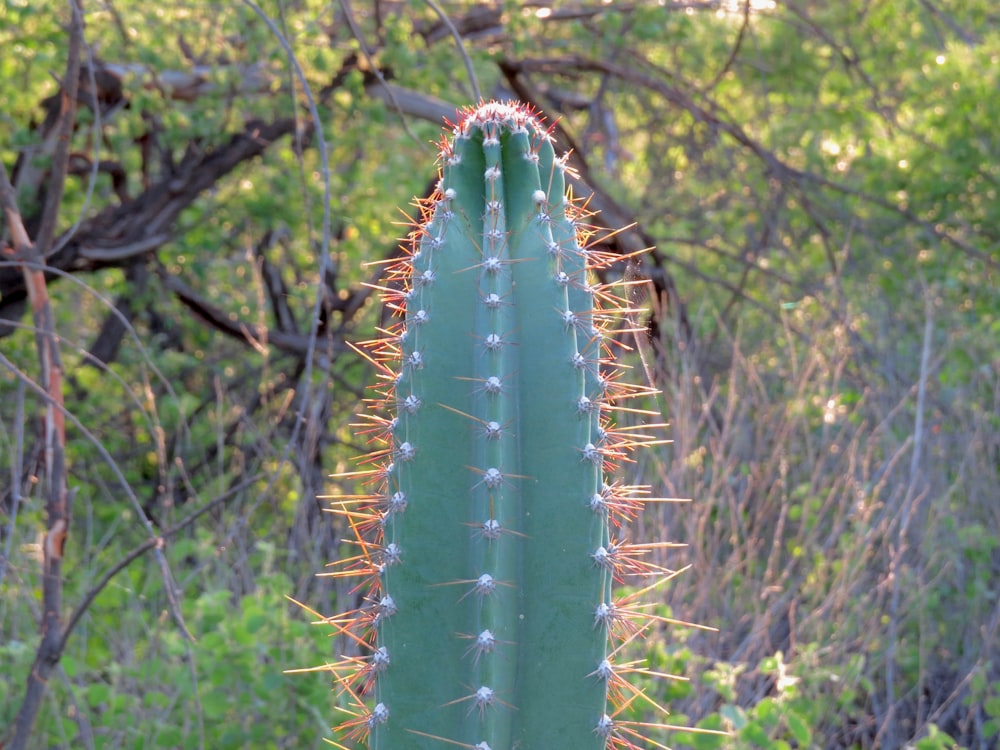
254	335
142	224
57	497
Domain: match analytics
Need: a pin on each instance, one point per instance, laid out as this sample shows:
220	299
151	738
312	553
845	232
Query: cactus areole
487	540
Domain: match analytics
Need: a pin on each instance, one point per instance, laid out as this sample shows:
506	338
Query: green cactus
488	542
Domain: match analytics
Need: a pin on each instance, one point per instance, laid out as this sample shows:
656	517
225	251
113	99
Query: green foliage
223	689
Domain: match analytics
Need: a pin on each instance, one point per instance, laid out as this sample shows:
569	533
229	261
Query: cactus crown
488	544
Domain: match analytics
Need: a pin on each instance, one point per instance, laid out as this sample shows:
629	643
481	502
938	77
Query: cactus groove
487	542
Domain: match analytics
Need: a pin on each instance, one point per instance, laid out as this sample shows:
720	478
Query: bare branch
460	45
254	335
58	499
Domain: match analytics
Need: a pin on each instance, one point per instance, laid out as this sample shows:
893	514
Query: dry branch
57	497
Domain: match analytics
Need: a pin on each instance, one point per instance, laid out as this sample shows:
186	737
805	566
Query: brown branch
254	335
138	226
200	80
173	605
737	45
57	496
274	283
81	165
64	131
118	321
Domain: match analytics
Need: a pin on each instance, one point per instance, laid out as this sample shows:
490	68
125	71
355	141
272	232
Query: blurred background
822	312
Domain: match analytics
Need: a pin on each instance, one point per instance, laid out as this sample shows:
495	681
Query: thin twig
460	44
64	129
65	415
906	515
95	139
58	500
16	469
369	58
108	304
157	542
737	45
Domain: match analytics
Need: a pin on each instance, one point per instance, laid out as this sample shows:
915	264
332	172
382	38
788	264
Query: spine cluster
488	543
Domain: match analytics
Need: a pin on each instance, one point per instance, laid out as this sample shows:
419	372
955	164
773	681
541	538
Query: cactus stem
501	382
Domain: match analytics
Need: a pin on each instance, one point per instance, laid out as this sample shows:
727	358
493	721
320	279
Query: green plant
489	542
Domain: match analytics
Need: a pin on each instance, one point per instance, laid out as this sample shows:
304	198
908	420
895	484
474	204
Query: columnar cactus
489	540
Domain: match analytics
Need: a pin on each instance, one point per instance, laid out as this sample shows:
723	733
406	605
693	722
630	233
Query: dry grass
841	517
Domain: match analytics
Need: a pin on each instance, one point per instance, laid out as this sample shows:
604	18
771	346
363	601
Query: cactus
488	544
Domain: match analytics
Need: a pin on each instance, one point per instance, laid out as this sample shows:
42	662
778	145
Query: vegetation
211	200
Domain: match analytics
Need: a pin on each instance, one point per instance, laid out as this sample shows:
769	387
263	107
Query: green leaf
215	704
991	728
936	740
768	712
71	666
98	693
170	737
756	735
255	622
735	715
799	728
709	741
992	706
